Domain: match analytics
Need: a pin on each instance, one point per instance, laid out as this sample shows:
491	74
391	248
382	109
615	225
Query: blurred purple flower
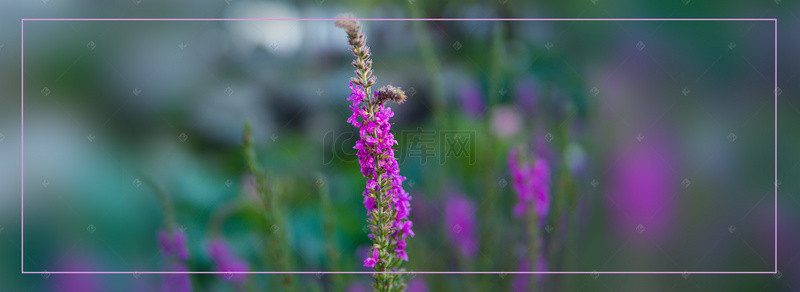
177	282
471	99
173	247
532	184
356	288
641	187
520	282
77	261
174	244
417	285
226	261
541	265
460	221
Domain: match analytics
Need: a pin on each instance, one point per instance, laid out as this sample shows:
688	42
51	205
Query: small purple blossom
225	261
401	250
460	221
532	184
371	261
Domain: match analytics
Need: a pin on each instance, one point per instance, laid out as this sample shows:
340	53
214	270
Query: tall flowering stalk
387	204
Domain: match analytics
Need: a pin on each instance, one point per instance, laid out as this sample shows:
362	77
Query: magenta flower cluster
376	157
173	246
225	261
532	184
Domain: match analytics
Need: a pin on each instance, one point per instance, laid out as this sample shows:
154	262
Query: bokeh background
659	136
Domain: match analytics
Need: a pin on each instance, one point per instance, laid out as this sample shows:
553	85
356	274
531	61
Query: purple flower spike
226	261
532	184
388	205
174	244
379	166
173	247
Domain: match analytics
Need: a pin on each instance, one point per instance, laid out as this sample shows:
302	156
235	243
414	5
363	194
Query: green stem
164	201
534	240
496	65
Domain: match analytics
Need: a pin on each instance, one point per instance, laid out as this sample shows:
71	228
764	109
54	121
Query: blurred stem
165	202
278	244
222	213
572	225
534	236
496	64
564	200
492	237
564	203
534	241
